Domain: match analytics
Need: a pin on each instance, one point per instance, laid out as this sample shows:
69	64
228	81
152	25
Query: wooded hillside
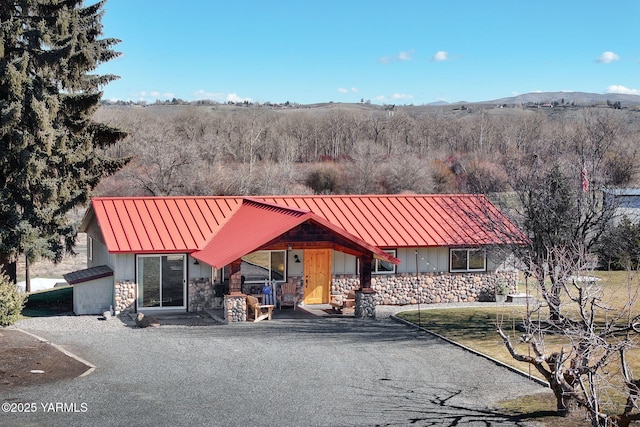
361	148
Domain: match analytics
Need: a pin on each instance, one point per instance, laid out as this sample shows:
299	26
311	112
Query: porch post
235	278
365	271
365	297
235	304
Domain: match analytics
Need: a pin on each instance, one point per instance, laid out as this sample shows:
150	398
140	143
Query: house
622	203
194	253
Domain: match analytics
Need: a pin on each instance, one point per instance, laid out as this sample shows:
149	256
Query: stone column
235	308
365	303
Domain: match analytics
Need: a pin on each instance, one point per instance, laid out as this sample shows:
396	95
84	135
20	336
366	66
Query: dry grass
476	329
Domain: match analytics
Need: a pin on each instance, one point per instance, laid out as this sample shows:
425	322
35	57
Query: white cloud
344	90
153	95
607	57
395	96
233	97
405	56
440	55
219	96
401	96
402	56
623	90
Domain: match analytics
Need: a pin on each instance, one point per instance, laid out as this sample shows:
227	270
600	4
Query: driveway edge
470	350
91	367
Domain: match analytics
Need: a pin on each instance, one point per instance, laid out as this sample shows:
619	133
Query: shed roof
88	274
186	224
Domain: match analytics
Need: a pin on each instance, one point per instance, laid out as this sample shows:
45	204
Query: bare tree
405	172
476	149
364	170
582	351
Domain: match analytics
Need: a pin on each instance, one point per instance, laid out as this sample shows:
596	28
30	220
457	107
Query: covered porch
260	226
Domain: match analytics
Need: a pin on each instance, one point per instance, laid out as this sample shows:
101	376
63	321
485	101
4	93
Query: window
161	281
468	260
379	266
89	248
263	265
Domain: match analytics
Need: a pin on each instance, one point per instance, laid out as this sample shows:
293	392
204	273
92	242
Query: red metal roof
255	223
186	224
159	224
393	221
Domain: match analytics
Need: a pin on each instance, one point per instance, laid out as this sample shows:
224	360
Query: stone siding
124	296
429	288
200	293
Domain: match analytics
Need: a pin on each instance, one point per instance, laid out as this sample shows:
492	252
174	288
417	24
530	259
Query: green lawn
50	302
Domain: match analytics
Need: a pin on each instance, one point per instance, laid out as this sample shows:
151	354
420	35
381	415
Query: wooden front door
317	276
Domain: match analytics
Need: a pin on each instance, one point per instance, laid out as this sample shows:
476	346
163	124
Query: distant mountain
577	98
438	103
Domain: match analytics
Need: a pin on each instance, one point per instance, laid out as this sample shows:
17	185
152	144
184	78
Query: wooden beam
365	271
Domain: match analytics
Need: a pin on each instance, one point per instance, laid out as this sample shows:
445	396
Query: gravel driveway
302	372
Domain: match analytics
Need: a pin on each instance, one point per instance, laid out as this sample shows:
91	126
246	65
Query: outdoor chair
259	311
288	296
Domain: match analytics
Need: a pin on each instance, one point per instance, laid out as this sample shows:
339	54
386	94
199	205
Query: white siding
295	268
100	254
124	267
430	260
199	270
343	263
93	297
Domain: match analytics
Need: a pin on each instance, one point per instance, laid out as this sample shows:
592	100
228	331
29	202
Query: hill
577	99
584	99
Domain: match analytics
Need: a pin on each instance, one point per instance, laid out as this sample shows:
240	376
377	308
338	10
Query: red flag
585	181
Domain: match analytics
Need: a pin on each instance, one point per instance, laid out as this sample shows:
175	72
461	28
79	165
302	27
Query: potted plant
501	290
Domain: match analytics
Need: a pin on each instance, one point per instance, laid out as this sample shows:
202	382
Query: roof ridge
274	205
290	196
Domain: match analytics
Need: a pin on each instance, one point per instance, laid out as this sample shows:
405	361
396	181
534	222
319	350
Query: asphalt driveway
307	371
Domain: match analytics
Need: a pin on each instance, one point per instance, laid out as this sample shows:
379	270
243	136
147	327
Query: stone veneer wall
429	288
124	296
200	294
426	288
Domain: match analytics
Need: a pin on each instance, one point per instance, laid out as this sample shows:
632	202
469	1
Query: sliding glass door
161	281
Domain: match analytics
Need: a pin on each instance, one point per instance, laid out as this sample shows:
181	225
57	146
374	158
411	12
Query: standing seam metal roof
185	224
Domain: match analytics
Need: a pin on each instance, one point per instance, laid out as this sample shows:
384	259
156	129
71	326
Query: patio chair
288	296
259	311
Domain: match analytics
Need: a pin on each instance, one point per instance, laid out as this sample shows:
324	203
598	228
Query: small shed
92	289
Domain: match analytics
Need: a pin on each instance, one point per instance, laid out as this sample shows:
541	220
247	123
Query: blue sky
388	52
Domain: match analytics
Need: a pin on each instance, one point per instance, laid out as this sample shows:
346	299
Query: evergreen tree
51	151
